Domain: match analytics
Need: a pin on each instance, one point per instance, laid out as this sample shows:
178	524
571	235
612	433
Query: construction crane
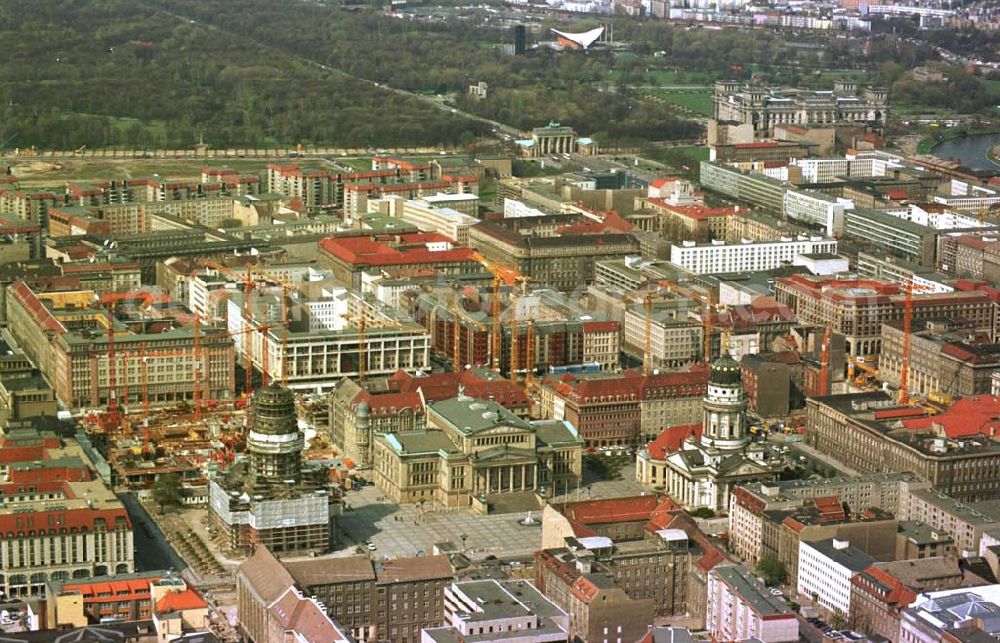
529	358
456	336
904	368
647	356
824	363
111	420
501	275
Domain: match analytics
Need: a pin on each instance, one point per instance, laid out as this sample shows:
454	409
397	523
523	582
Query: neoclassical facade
476	448
765	107
702	470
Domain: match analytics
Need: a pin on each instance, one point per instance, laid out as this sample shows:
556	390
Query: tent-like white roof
585	39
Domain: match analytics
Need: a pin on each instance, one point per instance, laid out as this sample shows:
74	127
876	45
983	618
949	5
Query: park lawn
698	102
695	152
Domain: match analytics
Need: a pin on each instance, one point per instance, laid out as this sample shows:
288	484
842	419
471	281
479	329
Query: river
971	151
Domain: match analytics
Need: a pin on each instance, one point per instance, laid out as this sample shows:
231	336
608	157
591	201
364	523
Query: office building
954	450
826	568
720	257
68	337
857	308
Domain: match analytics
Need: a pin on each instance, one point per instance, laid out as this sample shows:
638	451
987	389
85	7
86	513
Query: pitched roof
266	575
328	571
671	439
967	417
180	601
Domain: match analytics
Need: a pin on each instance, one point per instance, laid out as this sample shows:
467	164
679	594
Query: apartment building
750	528
270	607
61	521
619	564
897	236
720	257
753	188
963	522
740	607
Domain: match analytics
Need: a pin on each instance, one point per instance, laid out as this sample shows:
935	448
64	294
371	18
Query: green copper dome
725	372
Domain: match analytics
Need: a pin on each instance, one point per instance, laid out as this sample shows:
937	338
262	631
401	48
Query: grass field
698	102
695	152
35	172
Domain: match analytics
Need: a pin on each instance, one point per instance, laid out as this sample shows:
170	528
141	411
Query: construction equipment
647	356
904	368
111	419
529	358
456	337
824	363
501	275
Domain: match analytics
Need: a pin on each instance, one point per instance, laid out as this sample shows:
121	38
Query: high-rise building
520	40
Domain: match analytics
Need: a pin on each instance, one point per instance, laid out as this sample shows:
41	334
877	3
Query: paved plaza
405	530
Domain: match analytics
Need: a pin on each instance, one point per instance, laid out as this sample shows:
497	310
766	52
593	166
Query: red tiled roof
591	512
663	180
180	601
601	326
53	521
968	416
696	212
34	306
671	439
31	453
366	251
388	403
899	595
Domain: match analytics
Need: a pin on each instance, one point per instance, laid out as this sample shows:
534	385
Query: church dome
725	371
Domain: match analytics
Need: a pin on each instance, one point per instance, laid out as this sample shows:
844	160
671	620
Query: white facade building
433	214
740	607
817	208
513	209
720	257
825	571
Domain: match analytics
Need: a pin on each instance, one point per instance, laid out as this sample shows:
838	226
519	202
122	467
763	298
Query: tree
772	570
837	620
167	490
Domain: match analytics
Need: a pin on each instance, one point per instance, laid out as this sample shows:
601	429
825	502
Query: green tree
772	570
837	620
167	490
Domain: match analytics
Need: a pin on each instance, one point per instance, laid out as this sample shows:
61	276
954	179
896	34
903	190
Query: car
371	546
776	592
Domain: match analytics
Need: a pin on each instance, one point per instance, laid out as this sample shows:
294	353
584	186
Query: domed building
701	469
271	497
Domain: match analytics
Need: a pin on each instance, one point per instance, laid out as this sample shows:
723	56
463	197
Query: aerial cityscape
575	321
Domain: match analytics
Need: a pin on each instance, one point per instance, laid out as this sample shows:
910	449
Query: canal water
971	151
